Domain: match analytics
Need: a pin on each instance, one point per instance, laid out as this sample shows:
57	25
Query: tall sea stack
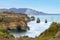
38	20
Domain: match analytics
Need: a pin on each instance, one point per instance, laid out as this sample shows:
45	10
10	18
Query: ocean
37	28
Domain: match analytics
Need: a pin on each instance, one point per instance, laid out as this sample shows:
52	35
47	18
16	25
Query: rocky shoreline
10	21
49	34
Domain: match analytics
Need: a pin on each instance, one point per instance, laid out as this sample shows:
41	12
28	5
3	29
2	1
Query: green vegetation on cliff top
50	32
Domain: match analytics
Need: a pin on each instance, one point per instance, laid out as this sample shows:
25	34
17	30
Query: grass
5	33
50	32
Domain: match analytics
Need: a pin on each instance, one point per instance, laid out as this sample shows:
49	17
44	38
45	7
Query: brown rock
58	34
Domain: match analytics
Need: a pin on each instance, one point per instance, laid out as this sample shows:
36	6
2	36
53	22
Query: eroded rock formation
11	20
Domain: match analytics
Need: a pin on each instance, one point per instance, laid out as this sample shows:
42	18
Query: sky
47	6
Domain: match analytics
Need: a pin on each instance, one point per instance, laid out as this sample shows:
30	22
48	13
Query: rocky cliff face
12	20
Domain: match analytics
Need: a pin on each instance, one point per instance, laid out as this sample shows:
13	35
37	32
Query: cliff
11	20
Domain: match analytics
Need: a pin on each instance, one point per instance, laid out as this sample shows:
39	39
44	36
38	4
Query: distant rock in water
46	21
38	20
32	18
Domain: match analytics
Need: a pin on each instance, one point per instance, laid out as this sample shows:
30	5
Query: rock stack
32	18
38	20
45	20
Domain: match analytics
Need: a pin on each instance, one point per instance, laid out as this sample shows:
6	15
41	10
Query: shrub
5	33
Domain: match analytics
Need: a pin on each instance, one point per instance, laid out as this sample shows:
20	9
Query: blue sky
47	6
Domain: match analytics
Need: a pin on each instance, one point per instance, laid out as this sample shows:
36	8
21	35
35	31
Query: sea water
37	28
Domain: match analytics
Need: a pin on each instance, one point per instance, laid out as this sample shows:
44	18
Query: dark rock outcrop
32	18
45	20
38	20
